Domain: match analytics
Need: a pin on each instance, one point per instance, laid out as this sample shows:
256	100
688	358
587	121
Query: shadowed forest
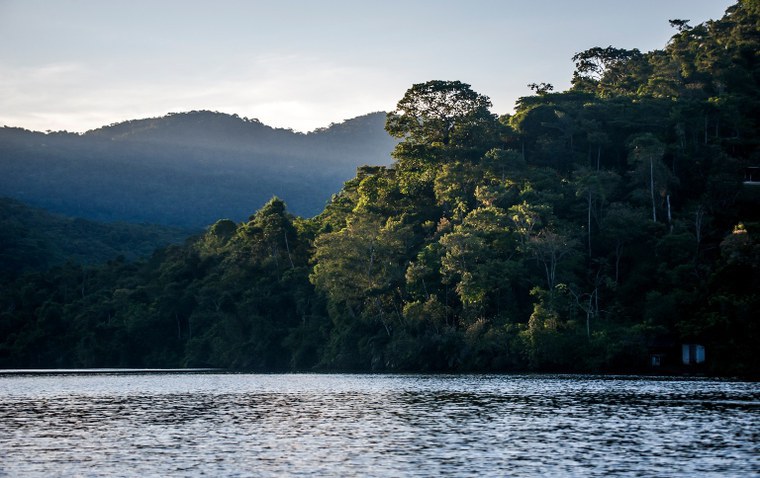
589	231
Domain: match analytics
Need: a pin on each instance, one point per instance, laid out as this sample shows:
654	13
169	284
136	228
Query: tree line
584	232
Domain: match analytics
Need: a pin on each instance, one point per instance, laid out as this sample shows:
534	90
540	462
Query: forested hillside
590	230
35	240
185	169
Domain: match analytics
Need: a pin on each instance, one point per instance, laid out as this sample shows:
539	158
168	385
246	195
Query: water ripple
315	425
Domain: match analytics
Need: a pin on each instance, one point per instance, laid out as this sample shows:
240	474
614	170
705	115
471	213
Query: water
347	425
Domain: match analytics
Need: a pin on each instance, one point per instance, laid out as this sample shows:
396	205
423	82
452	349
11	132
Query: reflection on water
263	425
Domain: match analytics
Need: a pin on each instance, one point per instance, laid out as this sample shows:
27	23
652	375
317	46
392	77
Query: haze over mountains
186	169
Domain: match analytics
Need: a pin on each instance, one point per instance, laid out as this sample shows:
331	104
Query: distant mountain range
186	169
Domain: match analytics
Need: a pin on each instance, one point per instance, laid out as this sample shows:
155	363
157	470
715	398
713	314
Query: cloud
303	65
285	90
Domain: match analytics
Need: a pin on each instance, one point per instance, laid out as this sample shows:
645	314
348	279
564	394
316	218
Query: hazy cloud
286	91
79	64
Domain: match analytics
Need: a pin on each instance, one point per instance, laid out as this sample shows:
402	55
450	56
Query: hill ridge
186	169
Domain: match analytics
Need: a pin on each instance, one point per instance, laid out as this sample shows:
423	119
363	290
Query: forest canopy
591	230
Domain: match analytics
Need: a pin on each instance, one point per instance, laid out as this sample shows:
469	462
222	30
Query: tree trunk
698	218
371	263
287	248
670	218
588	223
651	188
598	156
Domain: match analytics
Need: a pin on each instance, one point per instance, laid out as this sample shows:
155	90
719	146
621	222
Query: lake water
377	425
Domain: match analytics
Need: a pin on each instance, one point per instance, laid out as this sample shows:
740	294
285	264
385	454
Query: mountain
186	169
32	239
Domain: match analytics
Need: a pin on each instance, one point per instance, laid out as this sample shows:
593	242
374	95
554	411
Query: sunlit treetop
430	112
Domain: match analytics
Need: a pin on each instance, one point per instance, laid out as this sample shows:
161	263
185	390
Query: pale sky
79	64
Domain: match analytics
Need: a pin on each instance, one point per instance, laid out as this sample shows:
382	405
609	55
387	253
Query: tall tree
440	119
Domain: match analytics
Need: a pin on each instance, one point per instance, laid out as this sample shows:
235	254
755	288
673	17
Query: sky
76	65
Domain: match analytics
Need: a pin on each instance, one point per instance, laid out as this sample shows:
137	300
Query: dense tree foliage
32	239
237	297
588	231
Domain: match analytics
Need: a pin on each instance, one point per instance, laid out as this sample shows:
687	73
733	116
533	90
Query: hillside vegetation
185	169
32	239
589	230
